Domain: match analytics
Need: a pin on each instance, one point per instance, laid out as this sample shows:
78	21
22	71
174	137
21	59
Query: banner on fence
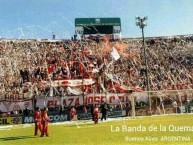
80	116
15	97
7	106
111	98
10	120
53	117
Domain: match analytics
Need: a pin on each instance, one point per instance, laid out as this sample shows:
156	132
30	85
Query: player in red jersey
96	114
45	120
37	120
72	113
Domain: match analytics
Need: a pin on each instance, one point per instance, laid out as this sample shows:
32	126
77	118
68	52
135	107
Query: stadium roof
97	21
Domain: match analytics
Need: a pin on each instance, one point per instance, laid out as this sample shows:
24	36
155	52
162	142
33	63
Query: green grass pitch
113	132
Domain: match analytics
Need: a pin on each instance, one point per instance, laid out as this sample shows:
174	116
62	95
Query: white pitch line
77	125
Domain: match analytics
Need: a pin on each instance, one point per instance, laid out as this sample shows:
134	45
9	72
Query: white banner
57	83
110	98
6	106
72	83
56	101
16	97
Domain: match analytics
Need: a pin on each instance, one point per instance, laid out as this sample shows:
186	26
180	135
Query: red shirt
45	117
96	111
72	111
37	116
50	69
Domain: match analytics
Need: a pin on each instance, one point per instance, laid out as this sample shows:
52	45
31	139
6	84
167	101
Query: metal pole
83	90
133	106
146	72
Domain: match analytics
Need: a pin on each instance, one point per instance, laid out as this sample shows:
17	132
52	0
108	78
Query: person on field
91	112
85	110
72	113
37	120
104	111
45	121
174	105
96	114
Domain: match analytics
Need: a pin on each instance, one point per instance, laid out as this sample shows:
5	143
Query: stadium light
145	18
141	23
137	18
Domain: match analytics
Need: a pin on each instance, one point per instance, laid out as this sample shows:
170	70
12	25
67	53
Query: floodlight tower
141	23
53	36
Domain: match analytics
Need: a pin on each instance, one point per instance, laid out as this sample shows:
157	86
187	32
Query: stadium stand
49	67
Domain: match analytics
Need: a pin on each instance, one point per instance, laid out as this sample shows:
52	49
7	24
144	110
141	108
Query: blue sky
39	18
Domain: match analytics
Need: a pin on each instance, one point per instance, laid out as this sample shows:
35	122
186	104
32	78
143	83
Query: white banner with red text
111	98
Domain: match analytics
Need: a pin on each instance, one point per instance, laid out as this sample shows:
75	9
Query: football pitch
158	130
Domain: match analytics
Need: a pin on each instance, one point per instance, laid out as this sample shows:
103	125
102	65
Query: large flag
115	54
71	83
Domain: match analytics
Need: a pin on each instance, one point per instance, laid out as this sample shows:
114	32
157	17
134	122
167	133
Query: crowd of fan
169	60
